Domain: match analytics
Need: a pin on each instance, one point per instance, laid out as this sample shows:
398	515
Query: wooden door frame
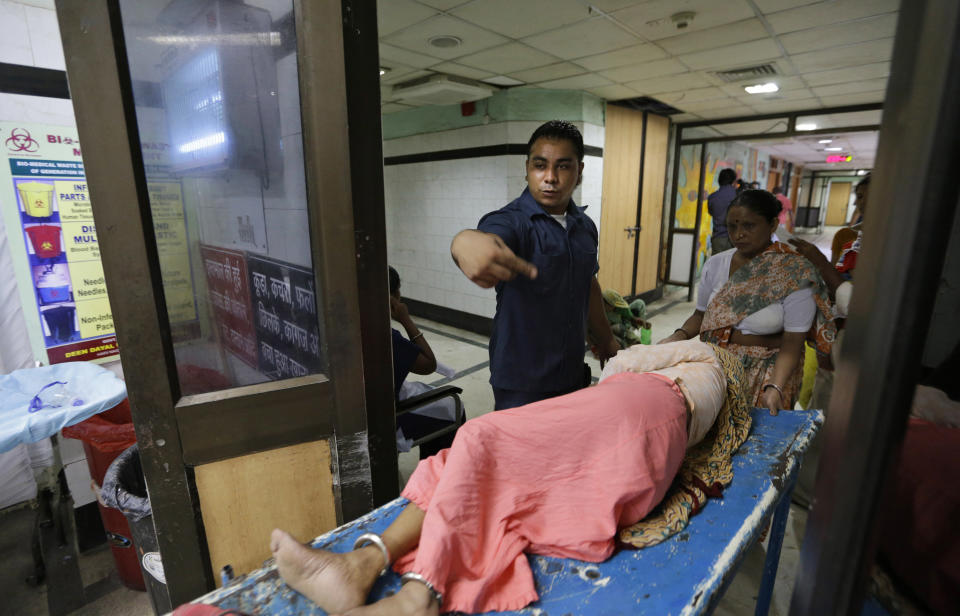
102	95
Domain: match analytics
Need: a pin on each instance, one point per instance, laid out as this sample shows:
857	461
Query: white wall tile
44	38
21	108
15	42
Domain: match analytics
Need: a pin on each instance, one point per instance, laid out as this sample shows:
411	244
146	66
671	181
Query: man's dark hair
727	176
394	280
777	190
865	182
760	202
559	130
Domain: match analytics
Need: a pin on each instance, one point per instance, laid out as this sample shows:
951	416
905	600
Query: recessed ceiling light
825	141
384	70
807	126
762	88
445	41
861	172
833	149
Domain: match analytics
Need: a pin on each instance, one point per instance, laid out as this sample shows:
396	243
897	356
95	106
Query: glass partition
218	113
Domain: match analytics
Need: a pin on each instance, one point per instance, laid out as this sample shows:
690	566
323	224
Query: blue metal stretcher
686	574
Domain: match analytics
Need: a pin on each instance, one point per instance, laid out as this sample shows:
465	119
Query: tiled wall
428	203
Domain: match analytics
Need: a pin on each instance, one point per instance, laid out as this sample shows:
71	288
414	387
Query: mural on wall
749	164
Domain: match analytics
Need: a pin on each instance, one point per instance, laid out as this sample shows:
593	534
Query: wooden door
651	203
634	160
622	149
837	201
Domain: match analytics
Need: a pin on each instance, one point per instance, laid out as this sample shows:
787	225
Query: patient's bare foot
413	599
335	582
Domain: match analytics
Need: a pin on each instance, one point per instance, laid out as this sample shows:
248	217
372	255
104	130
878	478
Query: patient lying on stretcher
557	477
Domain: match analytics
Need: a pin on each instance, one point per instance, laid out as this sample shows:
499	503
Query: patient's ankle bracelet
410	576
374	539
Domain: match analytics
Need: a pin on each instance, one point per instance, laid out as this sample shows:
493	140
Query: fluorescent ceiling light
807	126
861	172
833	149
383	70
762	88
825	141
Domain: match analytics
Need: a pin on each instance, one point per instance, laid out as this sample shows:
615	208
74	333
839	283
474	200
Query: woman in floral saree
761	300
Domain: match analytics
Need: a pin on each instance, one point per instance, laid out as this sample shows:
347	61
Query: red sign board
229	295
839	158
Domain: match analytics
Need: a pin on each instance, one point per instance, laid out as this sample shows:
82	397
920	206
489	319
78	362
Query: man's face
553	172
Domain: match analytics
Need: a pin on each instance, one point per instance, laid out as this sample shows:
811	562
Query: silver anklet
375	539
410	576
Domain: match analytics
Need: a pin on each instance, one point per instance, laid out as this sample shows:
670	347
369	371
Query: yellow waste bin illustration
37	198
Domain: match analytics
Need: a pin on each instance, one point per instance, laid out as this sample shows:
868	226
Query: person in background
415	355
540	251
717	204
787	215
759	300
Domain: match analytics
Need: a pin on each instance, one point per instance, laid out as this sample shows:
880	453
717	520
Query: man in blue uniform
541	253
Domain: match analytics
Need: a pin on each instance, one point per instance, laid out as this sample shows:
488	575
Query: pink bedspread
557	477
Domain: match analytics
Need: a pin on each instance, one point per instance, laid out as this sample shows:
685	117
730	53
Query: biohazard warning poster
53	242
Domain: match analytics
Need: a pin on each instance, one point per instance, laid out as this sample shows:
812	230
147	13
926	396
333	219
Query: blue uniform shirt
717	204
539	330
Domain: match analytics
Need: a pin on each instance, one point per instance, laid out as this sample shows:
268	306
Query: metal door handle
631	231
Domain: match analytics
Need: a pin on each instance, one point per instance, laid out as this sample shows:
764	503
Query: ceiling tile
839	57
784	105
705	106
684	117
728	34
644	70
394	55
612	5
672	83
415	38
398	14
579	82
614	92
852	87
443	5
594	36
545	73
452	68
520	19
883	26
827	13
651	20
843	75
772	6
715	113
690	96
733	56
622	57
507	58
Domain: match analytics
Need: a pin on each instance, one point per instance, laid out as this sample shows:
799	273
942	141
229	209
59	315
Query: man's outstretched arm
485	259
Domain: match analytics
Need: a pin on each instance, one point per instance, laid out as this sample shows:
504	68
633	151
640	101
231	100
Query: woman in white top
759	300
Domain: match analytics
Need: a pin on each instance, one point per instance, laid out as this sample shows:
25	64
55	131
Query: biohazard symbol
46	246
21	141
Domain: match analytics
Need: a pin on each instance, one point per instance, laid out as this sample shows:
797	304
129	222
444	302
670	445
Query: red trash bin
104	437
